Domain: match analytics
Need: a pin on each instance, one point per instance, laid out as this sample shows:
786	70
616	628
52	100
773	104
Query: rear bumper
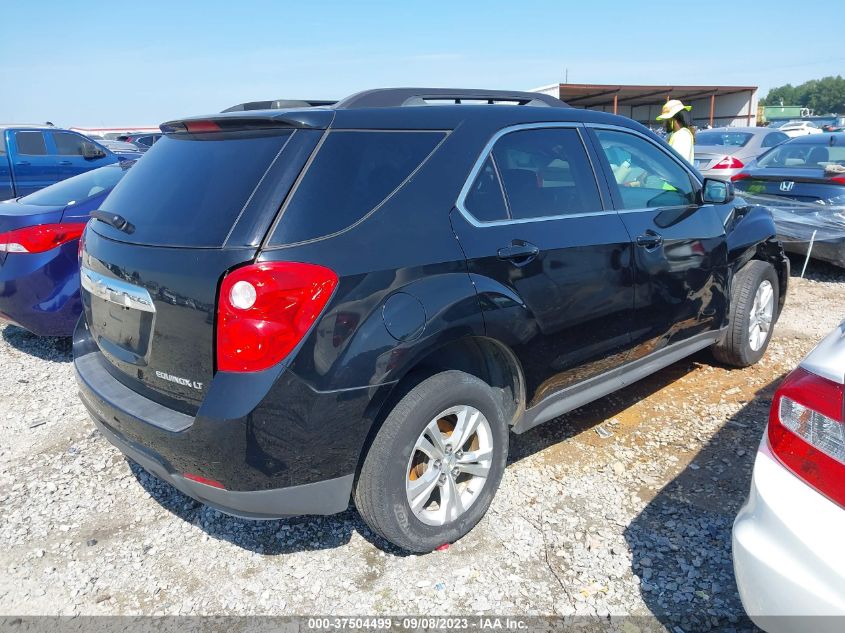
268	463
40	291
322	497
787	550
831	251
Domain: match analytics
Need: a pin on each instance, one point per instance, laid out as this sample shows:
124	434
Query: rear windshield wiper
115	220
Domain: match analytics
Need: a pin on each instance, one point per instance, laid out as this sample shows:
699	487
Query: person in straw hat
681	137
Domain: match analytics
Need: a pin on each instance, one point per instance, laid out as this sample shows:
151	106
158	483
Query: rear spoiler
246	122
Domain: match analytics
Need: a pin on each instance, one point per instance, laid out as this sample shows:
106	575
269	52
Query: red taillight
838	179
204	480
807	431
740	176
40	238
197	127
266	309
729	162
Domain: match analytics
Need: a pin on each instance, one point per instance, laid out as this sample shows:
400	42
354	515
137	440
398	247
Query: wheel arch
480	356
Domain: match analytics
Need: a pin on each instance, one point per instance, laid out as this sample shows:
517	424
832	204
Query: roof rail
279	104
395	97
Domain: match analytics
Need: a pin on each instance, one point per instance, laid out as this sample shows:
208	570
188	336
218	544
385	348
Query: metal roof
593	95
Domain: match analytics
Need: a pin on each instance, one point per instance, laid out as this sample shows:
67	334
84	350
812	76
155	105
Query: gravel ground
622	507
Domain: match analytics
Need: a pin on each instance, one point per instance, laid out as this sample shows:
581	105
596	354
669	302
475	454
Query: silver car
789	537
722	152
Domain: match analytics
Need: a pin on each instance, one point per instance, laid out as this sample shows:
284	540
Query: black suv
288	309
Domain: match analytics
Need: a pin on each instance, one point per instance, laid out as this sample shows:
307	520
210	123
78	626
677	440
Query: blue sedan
39	240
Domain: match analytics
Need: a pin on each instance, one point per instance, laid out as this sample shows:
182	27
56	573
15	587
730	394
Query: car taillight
39	238
729	162
838	179
807	431
740	176
266	309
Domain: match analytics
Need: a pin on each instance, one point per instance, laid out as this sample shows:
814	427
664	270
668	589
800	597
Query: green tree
822	95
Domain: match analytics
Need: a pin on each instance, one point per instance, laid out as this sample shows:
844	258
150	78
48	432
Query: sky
113	63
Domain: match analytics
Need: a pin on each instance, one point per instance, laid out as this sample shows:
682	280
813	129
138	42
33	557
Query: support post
712	109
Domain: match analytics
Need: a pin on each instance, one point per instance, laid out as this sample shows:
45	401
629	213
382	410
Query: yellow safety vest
682	142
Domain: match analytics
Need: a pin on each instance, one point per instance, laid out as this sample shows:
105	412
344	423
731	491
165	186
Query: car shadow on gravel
53	348
681	541
270	537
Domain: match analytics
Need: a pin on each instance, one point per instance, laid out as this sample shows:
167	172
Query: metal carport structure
713	105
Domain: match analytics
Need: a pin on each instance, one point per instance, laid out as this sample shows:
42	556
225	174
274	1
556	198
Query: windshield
732	139
803	156
79	188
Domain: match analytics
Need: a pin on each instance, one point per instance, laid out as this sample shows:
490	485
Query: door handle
65	162
519	252
23	163
649	240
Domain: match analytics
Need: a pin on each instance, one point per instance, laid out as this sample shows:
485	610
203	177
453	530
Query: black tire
735	347
380	493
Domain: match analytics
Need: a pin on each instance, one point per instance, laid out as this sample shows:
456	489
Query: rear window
803	156
353	173
189	192
79	188
729	139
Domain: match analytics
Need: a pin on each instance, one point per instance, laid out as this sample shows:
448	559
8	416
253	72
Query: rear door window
485	199
30	143
190	191
545	173
352	174
774	138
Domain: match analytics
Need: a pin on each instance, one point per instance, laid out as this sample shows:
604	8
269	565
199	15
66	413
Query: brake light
197	127
740	176
266	309
39	238
729	162
807	431
838	179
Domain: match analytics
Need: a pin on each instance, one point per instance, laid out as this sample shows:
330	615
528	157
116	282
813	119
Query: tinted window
30	143
731	139
546	173
68	144
485	199
646	175
79	188
803	156
775	138
188	192
352	174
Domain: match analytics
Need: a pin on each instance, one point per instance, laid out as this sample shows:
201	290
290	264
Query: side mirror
89	150
716	191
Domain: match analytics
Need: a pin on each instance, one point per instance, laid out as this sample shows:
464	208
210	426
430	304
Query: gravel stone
636	521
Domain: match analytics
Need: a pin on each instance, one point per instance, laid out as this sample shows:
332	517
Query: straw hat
671	108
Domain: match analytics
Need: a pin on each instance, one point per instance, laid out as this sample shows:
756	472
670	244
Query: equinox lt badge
187	382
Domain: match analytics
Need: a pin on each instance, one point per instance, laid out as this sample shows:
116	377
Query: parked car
141	140
803	182
837	125
800	128
33	157
344	302
723	152
39	244
787	539
124	150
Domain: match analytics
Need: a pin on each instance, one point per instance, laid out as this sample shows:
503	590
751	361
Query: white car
800	128
789	537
